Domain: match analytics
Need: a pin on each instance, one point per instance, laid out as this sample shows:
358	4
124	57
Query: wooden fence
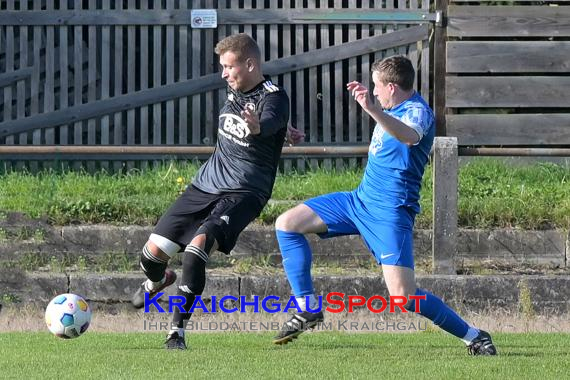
501	83
133	73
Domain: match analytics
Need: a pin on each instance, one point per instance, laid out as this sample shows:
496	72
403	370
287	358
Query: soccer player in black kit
230	189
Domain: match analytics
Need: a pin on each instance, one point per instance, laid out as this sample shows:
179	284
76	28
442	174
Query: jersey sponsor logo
250	106
234	125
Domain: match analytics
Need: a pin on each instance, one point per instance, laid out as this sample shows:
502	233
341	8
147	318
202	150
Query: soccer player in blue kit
382	209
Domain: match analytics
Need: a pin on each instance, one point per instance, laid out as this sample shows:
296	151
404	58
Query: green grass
251	355
491	194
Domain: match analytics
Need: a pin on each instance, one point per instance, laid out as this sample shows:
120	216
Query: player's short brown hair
396	69
242	45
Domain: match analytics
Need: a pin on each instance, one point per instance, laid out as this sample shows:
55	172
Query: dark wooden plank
313	91
512	21
119	61
77	80
11	77
347	50
439	78
339	88
49	82
236	16
212	81
299	115
210	120
21	86
106	80
9	67
508	56
496	92
412	49
91	83
287	77
425	62
143	77
353	107
169	52
183	59
325	94
8	91
248	28
516	129
157	80
35	82
223	31
196	72
131	81
63	75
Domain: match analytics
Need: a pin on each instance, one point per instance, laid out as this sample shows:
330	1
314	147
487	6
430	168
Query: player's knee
286	222
162	247
152	264
213	233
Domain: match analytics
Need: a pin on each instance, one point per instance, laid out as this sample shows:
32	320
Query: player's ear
250	63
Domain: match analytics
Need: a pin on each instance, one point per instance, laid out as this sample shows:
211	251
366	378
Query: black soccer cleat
297	324
482	345
138	298
175	342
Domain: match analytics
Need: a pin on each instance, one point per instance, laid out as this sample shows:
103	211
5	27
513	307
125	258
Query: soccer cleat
296	325
482	345
138	298
175	342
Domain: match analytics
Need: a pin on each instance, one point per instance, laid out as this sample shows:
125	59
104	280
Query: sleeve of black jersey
275	113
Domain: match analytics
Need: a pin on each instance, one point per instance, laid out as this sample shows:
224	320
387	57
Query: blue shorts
387	232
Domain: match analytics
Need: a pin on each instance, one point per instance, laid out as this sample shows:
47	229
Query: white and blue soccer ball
68	316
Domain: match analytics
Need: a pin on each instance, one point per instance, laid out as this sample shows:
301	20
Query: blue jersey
393	175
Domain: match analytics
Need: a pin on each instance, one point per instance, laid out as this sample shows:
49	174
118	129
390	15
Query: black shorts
232	212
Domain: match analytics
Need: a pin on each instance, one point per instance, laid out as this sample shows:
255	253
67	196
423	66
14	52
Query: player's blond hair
242	45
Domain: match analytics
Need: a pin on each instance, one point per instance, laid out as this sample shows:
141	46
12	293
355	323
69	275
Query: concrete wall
504	246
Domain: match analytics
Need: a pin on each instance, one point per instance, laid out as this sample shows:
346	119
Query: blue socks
440	314
297	259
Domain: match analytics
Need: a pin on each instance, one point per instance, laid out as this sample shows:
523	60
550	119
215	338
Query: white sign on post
203	18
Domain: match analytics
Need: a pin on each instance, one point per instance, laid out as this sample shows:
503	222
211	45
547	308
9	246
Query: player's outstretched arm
393	126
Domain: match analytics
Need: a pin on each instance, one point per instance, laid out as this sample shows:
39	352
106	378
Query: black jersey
242	161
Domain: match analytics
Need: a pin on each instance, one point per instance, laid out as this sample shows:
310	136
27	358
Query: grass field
426	355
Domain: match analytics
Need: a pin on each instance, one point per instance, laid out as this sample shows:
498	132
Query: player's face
237	73
382	92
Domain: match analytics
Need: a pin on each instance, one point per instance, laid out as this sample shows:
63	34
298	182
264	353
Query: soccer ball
68	316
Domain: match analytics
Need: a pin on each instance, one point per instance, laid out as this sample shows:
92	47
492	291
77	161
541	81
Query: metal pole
322	150
534	152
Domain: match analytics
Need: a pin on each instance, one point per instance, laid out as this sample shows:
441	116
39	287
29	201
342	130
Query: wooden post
439	68
445	172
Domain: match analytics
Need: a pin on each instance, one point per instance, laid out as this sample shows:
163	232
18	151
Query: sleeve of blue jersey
417	118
